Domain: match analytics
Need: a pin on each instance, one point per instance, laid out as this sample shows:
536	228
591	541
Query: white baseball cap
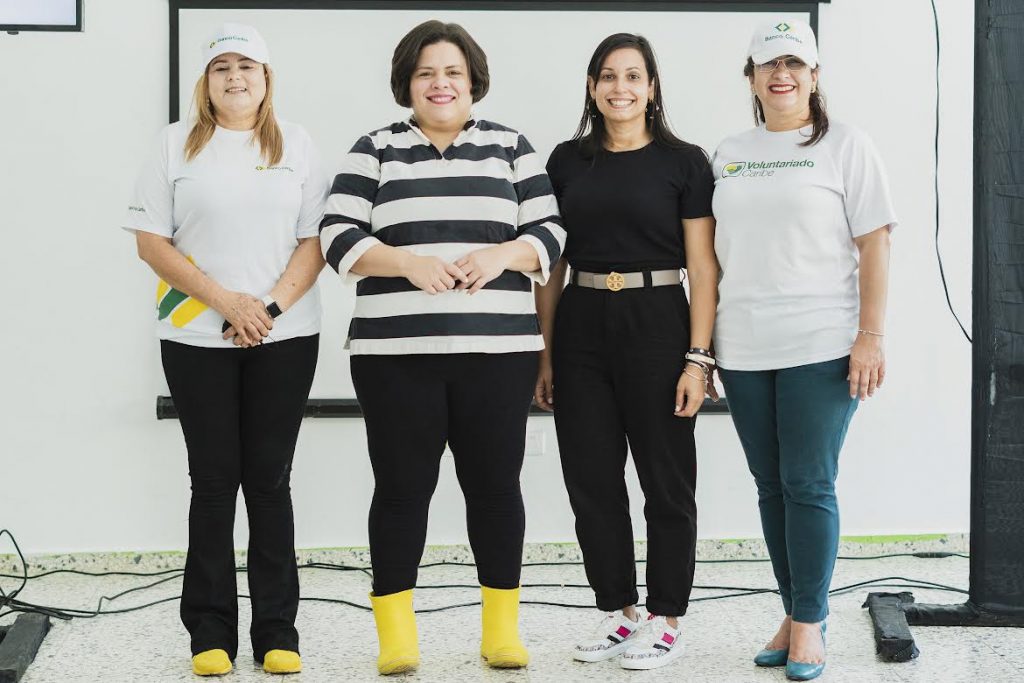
790	37
240	38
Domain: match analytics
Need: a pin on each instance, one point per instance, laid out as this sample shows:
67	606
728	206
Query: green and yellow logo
221	40
735	168
762	169
276	168
783	27
180	307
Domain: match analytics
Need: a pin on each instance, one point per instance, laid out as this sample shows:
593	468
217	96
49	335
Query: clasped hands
471	272
249	321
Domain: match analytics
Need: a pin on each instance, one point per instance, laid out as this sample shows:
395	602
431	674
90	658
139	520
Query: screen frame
349	407
77	27
176	6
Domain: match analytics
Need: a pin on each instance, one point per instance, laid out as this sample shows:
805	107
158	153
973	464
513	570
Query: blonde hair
266	132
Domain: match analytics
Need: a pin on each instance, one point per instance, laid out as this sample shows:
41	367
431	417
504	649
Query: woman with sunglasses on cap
444	220
226	211
627	354
804	216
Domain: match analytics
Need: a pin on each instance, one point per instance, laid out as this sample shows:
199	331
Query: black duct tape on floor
20	644
893	641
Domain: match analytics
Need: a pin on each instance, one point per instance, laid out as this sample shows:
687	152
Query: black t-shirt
622	210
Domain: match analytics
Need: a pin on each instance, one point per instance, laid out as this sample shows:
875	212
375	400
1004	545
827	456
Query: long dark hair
591	133
819	114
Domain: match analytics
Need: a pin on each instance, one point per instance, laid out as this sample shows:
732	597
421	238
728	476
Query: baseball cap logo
733	169
783	27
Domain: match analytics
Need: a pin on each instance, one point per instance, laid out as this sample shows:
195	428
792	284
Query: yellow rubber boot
282	662
396	633
211	663
500	644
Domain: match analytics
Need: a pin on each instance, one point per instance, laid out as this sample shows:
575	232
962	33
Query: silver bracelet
700	366
688	374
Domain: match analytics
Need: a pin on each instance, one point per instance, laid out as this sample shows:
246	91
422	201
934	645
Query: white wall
84	465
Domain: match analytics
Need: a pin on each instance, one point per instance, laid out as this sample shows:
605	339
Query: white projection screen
40	15
332	61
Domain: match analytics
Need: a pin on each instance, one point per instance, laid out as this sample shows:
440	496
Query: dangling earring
652	109
591	109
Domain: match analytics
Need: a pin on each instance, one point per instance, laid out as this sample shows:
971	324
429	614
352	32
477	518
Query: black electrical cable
930	555
13	604
5	598
938	253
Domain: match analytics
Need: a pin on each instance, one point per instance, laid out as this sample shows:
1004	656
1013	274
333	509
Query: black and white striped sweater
396	188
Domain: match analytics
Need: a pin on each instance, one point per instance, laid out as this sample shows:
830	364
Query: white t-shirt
237	219
786	220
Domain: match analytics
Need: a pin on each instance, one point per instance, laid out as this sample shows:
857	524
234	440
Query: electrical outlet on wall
536	442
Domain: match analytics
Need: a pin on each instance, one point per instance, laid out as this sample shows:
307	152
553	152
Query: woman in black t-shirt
628	353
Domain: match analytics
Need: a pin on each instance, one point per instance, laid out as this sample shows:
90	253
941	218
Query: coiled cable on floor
10	603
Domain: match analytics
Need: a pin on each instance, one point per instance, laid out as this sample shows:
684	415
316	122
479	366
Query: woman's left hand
690	390
867	366
237	340
482	266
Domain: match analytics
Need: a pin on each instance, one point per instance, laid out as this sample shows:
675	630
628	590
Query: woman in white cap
226	211
804	218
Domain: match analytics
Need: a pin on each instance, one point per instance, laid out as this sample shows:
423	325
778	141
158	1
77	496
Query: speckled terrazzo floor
339	643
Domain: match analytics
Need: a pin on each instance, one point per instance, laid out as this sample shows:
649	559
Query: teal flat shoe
768	657
805	671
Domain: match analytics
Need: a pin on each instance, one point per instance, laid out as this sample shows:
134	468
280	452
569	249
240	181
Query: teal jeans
792	423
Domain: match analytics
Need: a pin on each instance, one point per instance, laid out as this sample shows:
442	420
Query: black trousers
617	357
413	405
240	411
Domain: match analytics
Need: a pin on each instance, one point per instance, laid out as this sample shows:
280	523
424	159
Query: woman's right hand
431	274
544	392
247	315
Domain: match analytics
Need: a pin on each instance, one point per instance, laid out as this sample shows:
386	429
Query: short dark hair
407	53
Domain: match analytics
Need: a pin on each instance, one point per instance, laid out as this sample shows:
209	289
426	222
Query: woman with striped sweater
445	222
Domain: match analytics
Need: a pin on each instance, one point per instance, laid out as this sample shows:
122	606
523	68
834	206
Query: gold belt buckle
615	281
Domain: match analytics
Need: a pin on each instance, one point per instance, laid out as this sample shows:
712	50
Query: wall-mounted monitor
40	15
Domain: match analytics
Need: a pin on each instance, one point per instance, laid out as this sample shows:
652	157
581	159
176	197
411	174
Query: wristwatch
272	308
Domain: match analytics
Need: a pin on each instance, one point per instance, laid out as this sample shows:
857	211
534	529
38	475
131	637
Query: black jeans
476	403
240	411
617	357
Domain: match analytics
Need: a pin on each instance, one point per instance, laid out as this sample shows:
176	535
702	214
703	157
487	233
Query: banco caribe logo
221	40
733	169
783	27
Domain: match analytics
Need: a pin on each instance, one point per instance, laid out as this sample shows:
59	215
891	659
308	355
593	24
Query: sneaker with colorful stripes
657	646
613	636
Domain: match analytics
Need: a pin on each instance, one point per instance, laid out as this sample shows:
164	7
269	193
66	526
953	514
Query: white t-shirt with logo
786	220
237	219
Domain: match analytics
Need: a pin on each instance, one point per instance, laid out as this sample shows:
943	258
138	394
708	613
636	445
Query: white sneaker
613	636
657	645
